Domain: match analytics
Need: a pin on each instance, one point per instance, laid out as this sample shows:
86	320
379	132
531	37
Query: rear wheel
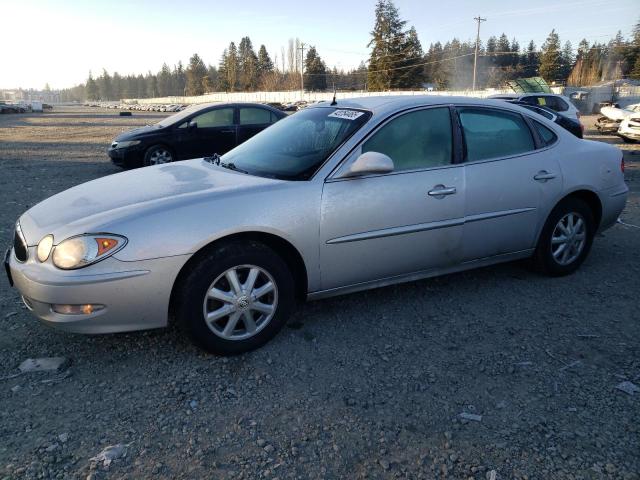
157	155
566	238
235	298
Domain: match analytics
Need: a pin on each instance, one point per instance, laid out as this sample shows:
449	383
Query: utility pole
301	47
478	19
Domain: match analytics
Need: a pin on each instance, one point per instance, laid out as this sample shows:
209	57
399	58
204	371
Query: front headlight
126	144
83	250
44	248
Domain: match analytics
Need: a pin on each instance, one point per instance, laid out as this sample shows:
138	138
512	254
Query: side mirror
369	163
192	125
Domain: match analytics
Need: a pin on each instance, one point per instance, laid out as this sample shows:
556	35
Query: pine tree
265	65
247	65
567	60
164	81
223	82
179	81
210	80
196	71
232	67
91	88
388	39
104	86
411	75
551	58
314	72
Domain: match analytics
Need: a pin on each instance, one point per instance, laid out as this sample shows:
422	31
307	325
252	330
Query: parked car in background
558	103
197	131
612	117
569	124
629	129
333	199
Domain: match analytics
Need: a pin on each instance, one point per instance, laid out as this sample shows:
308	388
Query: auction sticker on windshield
346	114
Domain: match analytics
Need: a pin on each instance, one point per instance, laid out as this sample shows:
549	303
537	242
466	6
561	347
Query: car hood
617	114
136	132
89	206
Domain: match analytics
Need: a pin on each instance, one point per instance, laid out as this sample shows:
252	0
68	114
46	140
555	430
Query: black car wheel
157	155
234	298
566	238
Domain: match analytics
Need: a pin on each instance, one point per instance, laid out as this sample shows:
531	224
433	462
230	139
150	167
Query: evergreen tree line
397	61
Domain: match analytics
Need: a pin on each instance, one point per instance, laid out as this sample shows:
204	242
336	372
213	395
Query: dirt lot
337	394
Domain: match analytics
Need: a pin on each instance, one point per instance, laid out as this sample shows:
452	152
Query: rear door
511	178
410	220
253	120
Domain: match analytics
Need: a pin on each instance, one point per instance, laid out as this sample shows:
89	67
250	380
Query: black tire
543	258
207	268
154	151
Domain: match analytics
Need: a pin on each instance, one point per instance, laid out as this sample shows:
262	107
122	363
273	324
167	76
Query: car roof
390	103
198	106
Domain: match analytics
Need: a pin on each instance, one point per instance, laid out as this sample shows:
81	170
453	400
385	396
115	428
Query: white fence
293	96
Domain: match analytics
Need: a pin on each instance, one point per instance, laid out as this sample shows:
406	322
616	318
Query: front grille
20	245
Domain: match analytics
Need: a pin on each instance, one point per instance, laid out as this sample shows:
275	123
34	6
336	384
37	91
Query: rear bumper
135	295
613	202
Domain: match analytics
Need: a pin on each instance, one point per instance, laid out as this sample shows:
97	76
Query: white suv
559	103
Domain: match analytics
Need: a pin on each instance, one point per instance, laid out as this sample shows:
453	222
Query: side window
254	116
221	117
274	118
561	105
494	133
419	139
547	136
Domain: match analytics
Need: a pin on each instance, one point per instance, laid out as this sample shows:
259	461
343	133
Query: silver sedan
334	199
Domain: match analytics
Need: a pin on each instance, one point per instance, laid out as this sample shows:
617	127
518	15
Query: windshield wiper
215	159
232	166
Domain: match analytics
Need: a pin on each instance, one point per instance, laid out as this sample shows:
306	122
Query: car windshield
177	117
295	147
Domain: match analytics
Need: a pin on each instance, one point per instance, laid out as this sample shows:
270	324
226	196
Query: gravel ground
369	385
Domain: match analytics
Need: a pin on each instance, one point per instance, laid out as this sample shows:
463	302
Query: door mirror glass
370	163
192	125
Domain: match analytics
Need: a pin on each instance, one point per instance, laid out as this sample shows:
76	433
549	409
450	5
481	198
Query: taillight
622	164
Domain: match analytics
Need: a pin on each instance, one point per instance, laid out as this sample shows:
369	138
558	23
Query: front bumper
135	295
630	133
126	157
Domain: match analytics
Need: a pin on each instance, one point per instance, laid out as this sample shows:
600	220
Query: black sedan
197	131
568	123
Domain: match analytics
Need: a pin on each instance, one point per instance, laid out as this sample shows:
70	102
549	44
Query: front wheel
157	155
235	298
566	238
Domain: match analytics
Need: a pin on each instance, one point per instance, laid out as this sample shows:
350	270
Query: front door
213	131
410	220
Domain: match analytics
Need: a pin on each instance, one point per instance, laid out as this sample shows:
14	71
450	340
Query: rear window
546	135
494	134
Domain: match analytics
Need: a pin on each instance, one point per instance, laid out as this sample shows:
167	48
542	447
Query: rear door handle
440	191
230	130
543	176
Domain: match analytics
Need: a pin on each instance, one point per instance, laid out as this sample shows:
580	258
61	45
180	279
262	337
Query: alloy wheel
160	156
568	238
240	302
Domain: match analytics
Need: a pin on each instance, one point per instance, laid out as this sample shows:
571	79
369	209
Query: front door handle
543	176
440	191
230	130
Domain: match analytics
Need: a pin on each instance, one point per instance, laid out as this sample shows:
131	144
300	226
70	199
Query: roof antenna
334	102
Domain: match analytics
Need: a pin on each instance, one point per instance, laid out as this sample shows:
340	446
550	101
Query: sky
59	41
